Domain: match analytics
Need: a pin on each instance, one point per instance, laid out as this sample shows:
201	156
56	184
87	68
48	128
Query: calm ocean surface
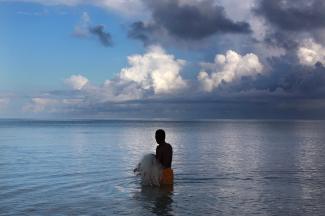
226	167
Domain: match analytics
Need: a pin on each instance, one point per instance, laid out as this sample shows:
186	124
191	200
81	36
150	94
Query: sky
162	59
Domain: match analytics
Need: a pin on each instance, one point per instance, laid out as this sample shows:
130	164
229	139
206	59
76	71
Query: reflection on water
156	200
221	168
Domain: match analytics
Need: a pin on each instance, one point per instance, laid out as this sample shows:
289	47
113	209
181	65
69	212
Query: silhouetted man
164	154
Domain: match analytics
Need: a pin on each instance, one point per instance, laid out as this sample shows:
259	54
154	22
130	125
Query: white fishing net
150	170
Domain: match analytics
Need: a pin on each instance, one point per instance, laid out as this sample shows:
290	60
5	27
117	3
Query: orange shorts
167	177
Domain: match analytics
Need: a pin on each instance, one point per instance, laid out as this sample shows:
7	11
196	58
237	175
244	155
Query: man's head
160	136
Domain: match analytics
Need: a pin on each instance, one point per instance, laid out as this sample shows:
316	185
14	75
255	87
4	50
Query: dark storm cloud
294	15
282	39
194	21
104	37
143	32
190	22
293	80
304	82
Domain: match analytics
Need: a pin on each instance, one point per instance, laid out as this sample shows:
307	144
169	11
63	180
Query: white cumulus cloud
77	82
310	52
155	70
227	68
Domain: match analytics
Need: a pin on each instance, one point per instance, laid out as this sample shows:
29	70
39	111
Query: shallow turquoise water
221	168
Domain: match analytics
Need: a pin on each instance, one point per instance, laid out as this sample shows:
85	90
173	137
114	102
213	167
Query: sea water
221	167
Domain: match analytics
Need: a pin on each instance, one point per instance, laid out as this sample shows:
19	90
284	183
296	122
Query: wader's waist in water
167	177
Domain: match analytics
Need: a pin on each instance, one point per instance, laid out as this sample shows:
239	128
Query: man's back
164	154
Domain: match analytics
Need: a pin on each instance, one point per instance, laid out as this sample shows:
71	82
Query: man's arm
158	154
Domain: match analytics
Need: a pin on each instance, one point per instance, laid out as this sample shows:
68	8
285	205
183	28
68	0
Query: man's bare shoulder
165	147
169	146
